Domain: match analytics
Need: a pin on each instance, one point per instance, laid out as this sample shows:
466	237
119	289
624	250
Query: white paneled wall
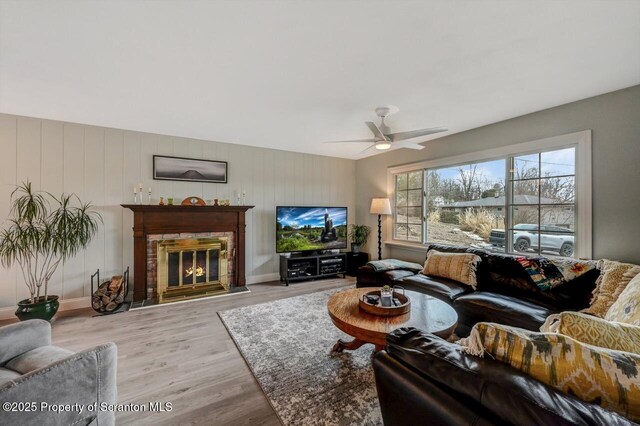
102	165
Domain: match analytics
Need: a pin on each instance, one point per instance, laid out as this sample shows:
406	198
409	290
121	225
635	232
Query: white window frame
581	141
423	206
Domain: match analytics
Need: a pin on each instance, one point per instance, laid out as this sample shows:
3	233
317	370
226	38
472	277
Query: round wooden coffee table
427	313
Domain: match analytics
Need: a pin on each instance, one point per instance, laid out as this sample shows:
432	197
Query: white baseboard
65	305
255	279
85	302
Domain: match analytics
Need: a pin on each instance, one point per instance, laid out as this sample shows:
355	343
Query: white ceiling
290	74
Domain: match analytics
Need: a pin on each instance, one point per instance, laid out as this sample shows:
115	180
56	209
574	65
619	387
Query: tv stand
308	266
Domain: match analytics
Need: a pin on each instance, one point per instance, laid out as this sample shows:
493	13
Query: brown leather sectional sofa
505	294
422	379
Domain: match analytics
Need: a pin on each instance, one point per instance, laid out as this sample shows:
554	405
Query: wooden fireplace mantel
152	219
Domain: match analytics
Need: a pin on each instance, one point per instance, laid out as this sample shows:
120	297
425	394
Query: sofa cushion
440	288
367	277
484	306
595	331
37	358
596	375
573	268
460	267
512	396
7	375
392	276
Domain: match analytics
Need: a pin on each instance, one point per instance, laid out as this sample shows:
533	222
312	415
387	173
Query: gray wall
614	119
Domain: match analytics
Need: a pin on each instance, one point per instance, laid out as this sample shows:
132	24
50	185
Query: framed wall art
189	169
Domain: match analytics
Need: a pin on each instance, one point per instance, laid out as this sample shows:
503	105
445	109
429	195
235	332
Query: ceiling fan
383	138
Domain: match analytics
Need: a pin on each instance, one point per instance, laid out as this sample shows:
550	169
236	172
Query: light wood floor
182	353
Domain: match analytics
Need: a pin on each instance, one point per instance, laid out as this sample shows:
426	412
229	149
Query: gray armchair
35	376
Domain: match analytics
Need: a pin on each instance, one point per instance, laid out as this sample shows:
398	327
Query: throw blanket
548	274
393	264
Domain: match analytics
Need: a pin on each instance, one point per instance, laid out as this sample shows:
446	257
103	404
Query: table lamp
380	206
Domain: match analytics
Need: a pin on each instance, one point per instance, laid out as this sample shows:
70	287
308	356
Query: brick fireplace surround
151	222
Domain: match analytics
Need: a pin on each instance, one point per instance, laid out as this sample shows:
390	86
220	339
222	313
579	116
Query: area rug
287	345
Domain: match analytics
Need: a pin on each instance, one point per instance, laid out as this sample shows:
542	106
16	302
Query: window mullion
539	203
425	206
508	194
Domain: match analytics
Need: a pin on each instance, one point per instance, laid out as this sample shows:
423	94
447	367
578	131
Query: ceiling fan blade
355	140
371	148
375	130
400	136
403	144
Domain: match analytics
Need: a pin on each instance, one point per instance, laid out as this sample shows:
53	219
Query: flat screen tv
310	228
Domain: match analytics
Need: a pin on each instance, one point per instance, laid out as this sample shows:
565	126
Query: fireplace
205	245
191	267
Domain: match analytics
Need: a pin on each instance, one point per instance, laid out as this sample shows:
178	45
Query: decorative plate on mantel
193	201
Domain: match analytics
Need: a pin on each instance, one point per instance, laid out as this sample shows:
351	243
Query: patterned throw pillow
595	331
612	281
572	269
459	267
627	307
597	375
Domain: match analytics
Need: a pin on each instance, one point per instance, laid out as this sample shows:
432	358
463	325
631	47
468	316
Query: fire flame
199	271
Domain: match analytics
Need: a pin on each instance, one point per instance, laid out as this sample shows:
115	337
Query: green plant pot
41	309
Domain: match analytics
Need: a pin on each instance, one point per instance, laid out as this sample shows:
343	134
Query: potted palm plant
358	235
41	232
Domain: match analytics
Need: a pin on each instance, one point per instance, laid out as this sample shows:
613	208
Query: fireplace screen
191	267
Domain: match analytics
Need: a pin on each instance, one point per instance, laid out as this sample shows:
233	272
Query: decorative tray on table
371	302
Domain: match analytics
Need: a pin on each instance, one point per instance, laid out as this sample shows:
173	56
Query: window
520	199
409	196
542	202
465	202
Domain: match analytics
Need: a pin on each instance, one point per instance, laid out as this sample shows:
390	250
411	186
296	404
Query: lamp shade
380	206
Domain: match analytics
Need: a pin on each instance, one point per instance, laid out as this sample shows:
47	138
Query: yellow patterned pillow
596	375
612	281
627	307
595	331
459	267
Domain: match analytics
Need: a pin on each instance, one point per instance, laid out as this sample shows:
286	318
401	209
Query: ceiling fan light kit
383	138
382	145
